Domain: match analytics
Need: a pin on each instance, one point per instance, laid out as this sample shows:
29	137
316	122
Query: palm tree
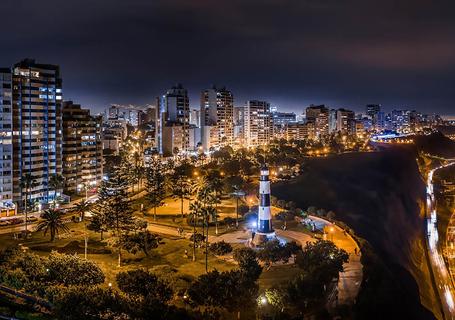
238	192
82	207
215	184
209	211
27	182
195	209
180	188
136	169
56	183
52	222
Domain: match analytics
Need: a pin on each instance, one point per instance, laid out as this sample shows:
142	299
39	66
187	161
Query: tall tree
237	193
27	182
113	203
196	211
180	185
52	222
81	208
99	220
322	259
230	290
156	184
140	241
208	211
207	199
215	185
56	183
137	169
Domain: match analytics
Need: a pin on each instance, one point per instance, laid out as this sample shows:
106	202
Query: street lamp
262	300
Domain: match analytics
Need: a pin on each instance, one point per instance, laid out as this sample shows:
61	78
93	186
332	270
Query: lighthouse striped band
264	213
264	187
265	226
265	200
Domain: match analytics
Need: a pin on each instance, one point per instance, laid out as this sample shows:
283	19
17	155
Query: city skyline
342	55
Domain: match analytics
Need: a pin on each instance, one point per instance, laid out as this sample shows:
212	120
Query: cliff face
380	196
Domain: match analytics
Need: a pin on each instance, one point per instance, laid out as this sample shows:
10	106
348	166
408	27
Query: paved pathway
349	280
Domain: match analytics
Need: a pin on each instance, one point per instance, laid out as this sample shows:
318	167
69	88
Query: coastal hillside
436	144
380	196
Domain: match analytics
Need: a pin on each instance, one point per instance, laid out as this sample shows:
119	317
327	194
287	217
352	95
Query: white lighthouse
264	223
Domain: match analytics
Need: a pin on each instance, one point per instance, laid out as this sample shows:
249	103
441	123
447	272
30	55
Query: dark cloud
291	52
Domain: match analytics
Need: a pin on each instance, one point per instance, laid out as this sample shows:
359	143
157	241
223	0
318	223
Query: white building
258	124
217	118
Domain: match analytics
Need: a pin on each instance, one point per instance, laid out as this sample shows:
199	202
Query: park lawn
172	207
170	253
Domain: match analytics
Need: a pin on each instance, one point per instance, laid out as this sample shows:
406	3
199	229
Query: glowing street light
331	230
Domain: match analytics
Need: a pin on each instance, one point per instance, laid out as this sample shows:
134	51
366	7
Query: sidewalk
351	278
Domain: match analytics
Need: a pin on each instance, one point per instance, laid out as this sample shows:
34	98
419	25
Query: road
444	284
31	225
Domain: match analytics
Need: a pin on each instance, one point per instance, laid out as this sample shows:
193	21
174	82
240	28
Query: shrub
72	270
220	248
248	262
199	238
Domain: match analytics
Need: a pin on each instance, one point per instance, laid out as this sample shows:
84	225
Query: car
4	223
32	219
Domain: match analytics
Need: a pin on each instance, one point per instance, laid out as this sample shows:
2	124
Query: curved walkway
349	280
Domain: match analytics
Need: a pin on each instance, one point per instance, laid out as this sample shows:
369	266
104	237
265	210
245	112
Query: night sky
292	53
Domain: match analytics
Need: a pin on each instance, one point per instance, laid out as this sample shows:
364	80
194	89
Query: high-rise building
217	118
195	117
239	126
401	120
346	121
333	120
175	139
320	116
258	125
380	123
112	135
283	118
7	207
132	115
300	131
36	128
82	148
174	121
372	110
195	138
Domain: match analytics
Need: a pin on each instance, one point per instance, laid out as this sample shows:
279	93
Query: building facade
217	118
82	148
7	206
174	121
346	121
36	128
258	124
319	115
283	118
